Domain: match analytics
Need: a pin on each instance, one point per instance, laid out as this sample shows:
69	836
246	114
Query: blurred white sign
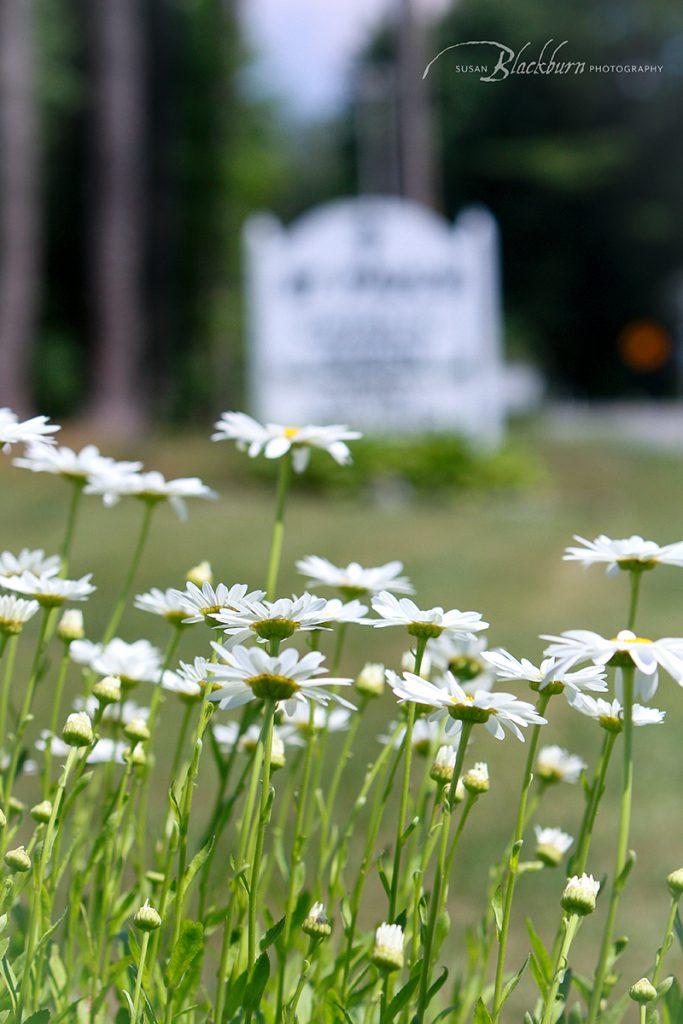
378	313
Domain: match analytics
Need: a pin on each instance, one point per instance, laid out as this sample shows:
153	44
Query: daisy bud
277	752
675	882
137	730
200	574
77	731
476	780
444	763
370	680
107	690
3	819
408	664
147	918
41	812
643	991
388	949
316	923
580	894
136	754
18	859
551	845
71	625
16	806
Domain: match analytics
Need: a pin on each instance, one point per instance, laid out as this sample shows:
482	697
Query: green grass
498	553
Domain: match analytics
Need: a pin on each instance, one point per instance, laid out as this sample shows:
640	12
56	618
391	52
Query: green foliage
426	465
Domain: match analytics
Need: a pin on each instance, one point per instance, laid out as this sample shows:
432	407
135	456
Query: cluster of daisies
264	648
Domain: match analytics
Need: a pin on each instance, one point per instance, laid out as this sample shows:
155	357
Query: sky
304	48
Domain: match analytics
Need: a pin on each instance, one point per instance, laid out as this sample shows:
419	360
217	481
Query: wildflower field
225	803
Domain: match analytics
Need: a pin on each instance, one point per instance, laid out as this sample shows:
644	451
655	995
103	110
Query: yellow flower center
292	432
272	687
631	640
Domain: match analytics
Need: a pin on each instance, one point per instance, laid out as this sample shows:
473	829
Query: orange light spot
644	346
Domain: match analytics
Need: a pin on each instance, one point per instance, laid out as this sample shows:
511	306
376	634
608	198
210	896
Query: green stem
622	846
138	981
72	516
571	924
6	684
634	595
54	719
305	970
407	747
26	707
247	814
541	705
296	858
440	875
185	811
580	859
267	742
46	851
379	804
341	764
668	937
278	527
129	578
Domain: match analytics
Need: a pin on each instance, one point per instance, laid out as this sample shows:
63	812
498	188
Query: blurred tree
20	201
117	243
581	170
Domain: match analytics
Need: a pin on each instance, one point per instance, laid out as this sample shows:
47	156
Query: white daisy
105	749
167	603
348	612
34	431
151	487
496	711
137	662
83	652
203	601
610	714
275	620
425	624
50	591
554	764
297	725
552	844
15	612
188	681
354	580
426	734
550	677
622	651
274	440
77	466
286	677
36	562
629	553
121	713
462	657
230	733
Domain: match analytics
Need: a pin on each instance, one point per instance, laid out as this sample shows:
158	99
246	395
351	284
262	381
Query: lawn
499	553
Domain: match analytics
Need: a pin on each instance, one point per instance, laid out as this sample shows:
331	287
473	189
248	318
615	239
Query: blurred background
136	137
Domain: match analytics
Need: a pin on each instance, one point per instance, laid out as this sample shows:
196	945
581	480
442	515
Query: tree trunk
117	217
19	203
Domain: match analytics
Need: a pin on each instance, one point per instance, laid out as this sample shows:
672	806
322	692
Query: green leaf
272	934
39	1017
188	946
434	988
481	1014
540	952
512	983
257	983
235	997
402	997
497	906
